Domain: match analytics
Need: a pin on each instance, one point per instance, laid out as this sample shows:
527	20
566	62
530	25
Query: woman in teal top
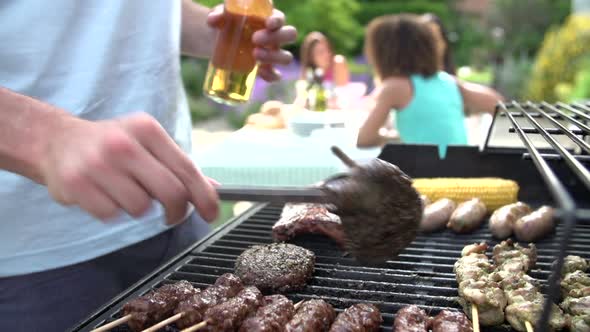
429	103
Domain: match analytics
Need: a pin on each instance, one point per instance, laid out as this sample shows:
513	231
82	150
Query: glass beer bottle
232	69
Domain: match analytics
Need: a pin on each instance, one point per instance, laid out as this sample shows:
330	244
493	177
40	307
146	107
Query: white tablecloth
279	157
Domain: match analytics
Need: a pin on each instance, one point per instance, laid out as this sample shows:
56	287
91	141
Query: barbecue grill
555	173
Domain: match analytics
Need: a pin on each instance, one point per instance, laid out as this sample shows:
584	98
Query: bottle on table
232	69
317	99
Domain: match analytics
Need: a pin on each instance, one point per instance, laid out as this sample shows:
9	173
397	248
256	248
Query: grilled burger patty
275	268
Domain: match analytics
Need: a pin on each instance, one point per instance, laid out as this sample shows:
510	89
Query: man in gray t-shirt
94	136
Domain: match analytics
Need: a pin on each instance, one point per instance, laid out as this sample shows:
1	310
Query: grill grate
423	272
570	121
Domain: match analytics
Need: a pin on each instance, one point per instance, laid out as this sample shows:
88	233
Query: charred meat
194	307
411	319
157	305
276	311
297	219
451	321
312	316
275	268
229	315
360	317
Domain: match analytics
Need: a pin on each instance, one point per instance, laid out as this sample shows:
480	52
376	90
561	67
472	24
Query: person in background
428	102
475	122
443	46
316	52
96	185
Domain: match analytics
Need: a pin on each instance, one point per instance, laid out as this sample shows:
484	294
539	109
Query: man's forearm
25	127
197	38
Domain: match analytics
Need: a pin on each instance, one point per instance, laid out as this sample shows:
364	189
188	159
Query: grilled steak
157	305
451	321
411	319
275	312
229	315
297	219
312	316
360	317
194	307
275	268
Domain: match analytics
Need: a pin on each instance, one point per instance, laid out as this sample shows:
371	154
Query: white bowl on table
303	123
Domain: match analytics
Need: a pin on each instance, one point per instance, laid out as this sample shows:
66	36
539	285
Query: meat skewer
411	319
525	301
275	312
360	317
148	309
229	315
575	289
480	295
451	321
312	316
193	306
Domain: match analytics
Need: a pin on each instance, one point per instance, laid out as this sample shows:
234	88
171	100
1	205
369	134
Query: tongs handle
272	194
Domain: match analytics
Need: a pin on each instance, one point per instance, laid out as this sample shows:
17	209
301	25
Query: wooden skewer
529	326
298	304
163	323
112	324
475	318
342	156
196	327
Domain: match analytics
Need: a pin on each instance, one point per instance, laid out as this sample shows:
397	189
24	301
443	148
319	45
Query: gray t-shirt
97	59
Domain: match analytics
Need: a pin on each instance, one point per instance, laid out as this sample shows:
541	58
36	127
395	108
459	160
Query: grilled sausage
436	215
468	216
535	225
503	219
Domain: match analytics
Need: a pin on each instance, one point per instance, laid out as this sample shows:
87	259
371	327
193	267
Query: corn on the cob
494	192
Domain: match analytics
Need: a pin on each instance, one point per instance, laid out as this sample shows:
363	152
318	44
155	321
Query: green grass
473	75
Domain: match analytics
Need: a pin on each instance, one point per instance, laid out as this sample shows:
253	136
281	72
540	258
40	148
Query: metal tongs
310	194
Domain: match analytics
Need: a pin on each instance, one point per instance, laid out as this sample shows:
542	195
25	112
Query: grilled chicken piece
573	263
520	312
488	297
